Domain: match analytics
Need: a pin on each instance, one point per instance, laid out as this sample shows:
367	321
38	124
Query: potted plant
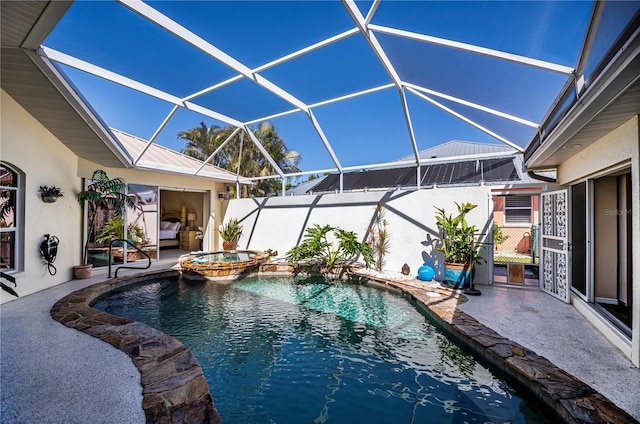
459	246
114	229
102	194
230	233
50	194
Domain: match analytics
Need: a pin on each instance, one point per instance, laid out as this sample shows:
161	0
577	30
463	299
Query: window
9	237
517	210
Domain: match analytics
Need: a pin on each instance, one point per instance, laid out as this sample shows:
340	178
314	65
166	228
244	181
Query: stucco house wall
620	147
279	223
43	159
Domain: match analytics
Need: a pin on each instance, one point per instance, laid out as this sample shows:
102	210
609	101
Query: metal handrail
10	279
124	251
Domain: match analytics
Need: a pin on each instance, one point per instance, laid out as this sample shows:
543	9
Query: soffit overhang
37	86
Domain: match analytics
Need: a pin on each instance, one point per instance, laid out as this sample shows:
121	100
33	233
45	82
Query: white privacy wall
279	223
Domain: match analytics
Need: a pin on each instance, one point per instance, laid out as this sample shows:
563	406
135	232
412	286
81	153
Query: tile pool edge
573	400
174	388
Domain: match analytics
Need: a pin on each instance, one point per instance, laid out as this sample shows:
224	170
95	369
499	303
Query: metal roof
455	148
160	158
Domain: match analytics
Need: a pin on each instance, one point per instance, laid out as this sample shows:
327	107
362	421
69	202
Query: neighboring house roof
304	188
455	148
160	158
497	165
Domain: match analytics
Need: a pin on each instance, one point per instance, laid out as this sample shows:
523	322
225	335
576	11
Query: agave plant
230	233
378	236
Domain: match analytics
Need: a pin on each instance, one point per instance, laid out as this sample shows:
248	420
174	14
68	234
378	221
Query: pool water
278	350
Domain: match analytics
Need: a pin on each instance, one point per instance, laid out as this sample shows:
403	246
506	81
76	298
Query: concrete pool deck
54	374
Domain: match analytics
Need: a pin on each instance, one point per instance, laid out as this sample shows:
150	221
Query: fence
515	244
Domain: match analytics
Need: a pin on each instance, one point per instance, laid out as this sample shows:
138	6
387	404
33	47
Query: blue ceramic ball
426	273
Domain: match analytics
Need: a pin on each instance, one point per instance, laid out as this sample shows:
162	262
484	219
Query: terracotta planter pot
229	245
82	271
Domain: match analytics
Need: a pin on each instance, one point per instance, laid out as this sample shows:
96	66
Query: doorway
515	238
612	276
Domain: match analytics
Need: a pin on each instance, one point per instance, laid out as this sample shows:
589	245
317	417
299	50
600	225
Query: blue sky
364	130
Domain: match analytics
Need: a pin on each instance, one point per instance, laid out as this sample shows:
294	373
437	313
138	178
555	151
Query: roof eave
610	85
40	88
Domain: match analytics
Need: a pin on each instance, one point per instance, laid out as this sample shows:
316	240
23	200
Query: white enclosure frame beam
89	68
371	39
467	120
212	155
324	139
184	34
589	36
264	152
352	95
524	60
276	62
155	134
473	105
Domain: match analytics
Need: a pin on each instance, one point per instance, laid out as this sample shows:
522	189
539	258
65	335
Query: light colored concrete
57	375
561	334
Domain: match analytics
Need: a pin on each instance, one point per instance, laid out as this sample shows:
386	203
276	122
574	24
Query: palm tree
103	194
202	141
242	156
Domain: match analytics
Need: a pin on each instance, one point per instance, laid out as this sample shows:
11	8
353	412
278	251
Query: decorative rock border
230	270
175	390
173	386
573	400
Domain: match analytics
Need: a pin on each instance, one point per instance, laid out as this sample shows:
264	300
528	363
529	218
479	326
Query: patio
59	375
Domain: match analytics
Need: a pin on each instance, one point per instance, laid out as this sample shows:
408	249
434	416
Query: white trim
606	300
615	336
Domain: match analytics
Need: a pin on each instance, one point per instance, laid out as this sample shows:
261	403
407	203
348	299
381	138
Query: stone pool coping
573	400
175	390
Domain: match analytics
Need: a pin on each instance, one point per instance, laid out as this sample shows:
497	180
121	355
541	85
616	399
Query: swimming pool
291	351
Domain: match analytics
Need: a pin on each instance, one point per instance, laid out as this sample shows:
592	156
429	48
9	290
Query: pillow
164	225
174	226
